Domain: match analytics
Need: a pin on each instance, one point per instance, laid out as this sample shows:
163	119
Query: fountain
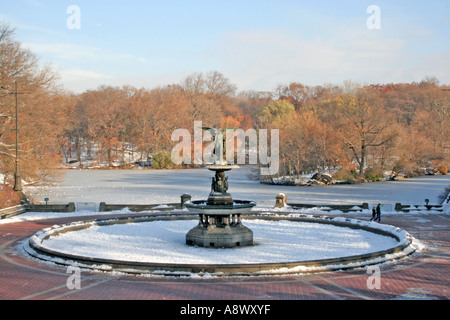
220	224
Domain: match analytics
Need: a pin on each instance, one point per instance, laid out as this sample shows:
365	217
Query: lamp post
17	174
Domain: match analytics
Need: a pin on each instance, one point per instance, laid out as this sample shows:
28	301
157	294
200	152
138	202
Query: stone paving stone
423	275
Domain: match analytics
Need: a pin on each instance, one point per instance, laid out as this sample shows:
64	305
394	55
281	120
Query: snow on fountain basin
275	241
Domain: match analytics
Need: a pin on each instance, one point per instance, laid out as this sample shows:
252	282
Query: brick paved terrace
423	275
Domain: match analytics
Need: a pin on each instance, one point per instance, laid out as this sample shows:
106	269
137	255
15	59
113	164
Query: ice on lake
166	186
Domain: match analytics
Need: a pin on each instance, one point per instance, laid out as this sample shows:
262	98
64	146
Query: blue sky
256	44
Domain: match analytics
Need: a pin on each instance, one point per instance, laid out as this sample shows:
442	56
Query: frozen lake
164	186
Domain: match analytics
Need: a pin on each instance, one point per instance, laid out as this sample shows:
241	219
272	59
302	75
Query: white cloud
85	67
72	75
437	65
64	51
80	53
262	59
78	80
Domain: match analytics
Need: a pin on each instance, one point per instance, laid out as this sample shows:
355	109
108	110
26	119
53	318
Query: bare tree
364	123
213	83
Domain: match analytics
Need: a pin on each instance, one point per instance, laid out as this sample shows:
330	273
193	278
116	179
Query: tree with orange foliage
105	109
38	107
363	123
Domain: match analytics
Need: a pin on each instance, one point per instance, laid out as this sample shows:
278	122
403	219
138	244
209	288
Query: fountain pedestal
220	223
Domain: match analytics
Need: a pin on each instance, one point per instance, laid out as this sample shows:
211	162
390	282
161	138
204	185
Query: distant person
378	213
427	201
374	214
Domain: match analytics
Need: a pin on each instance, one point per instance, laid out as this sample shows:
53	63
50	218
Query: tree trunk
362	161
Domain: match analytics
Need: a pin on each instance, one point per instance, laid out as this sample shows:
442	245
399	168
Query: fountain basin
280	249
220	226
202	207
230	236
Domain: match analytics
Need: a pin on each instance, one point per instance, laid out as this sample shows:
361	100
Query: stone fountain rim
35	248
203	204
222	167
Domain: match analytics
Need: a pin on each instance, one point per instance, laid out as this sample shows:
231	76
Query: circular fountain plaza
220	236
